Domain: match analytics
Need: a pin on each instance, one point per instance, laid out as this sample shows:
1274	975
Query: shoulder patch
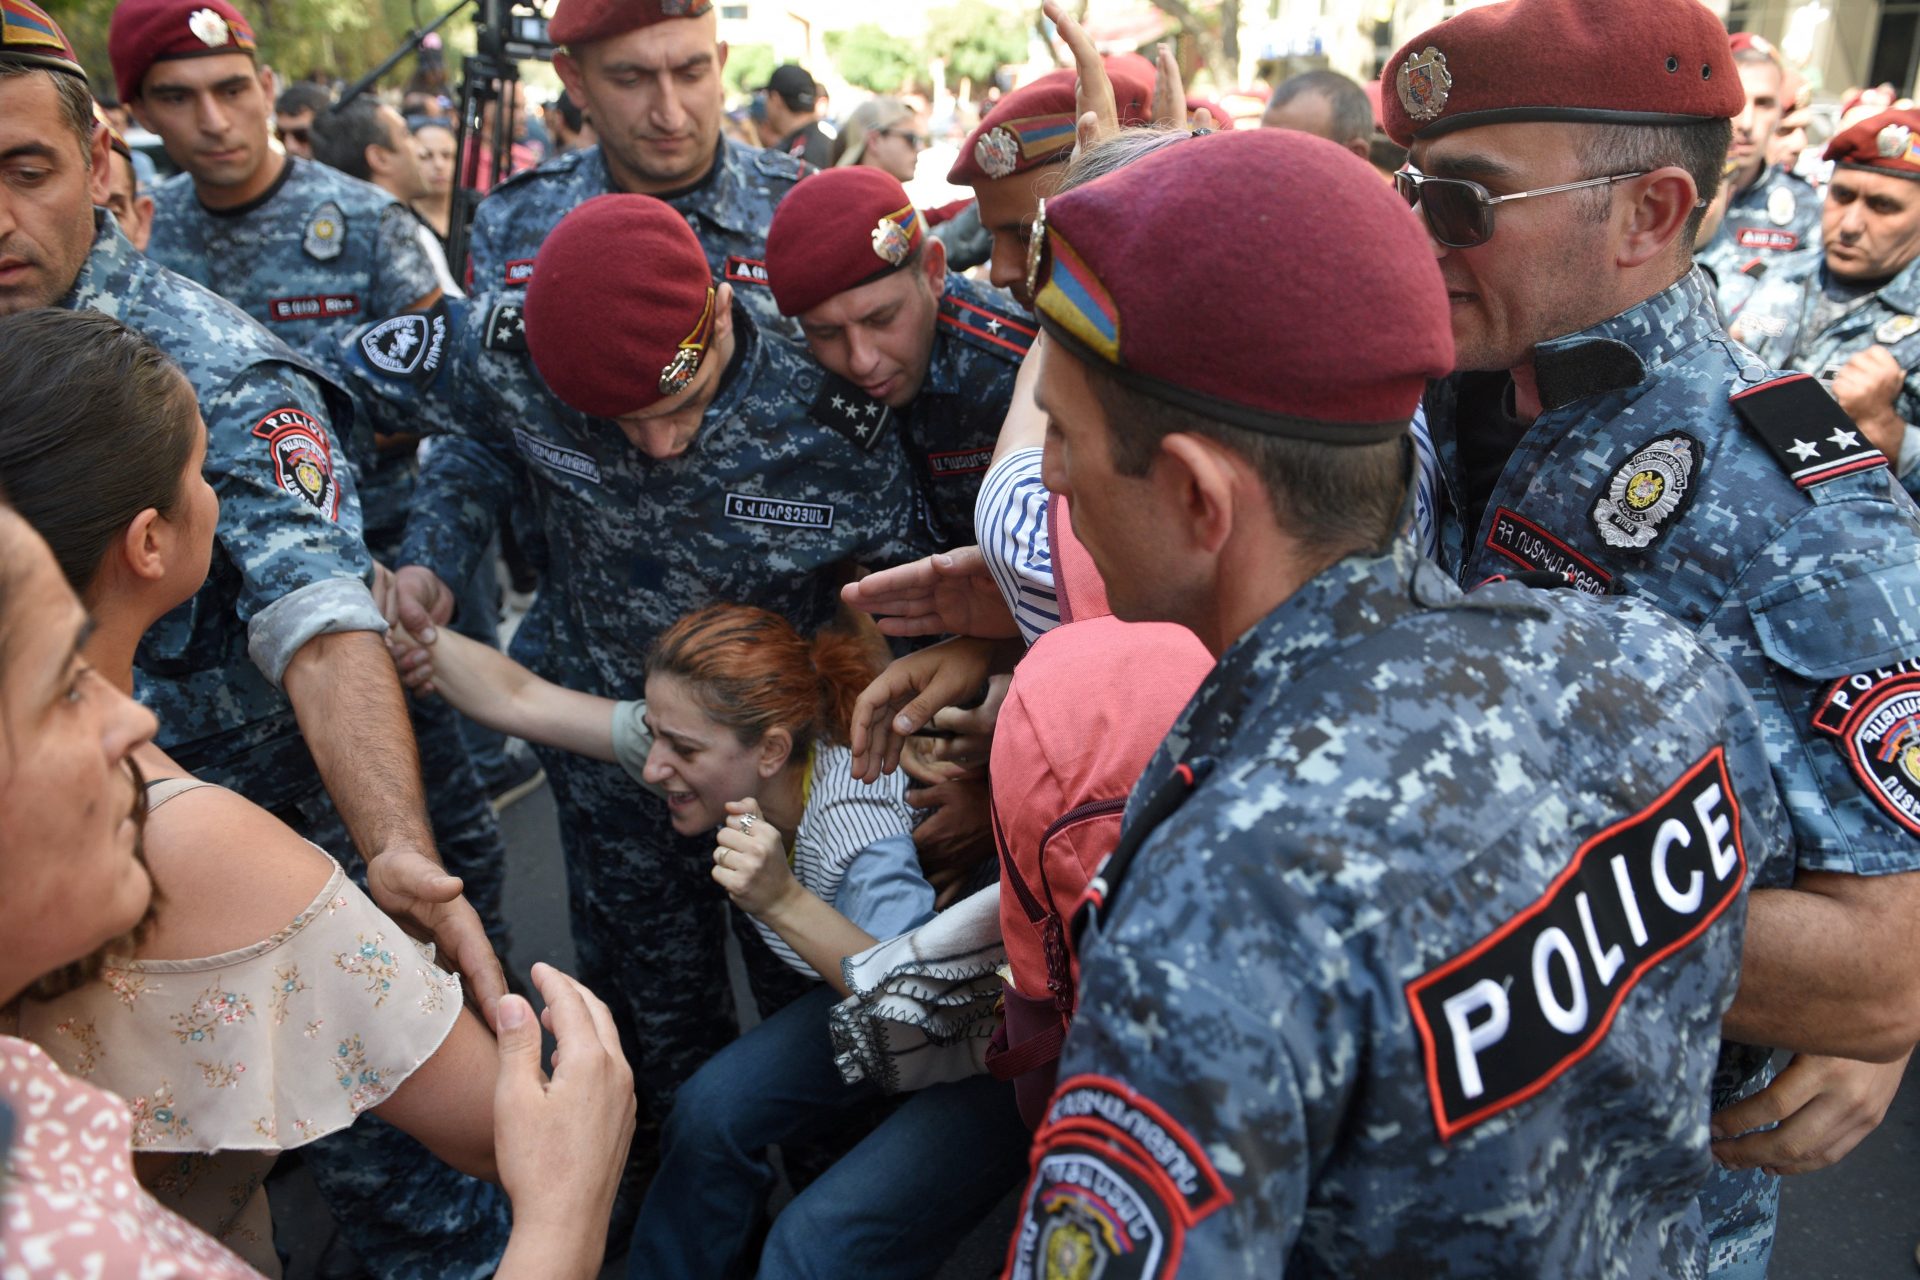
1536	551
1807	430
302	458
1000	332
1506	1018
1876	717
326	235
844	408
1647	492
408	346
778	164
504	331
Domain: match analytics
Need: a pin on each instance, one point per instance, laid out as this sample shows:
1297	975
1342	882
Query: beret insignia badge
678	375
209	28
1891	142
890	242
1424	83
1036	247
998	152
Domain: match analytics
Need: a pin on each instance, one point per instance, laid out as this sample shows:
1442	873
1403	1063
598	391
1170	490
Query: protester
293	114
794	117
1325	104
567	125
366	139
435	205
881	133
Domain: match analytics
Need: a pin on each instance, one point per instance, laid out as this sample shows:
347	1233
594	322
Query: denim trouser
894	1206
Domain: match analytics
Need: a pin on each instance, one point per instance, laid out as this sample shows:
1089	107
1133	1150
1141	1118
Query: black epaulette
1005	332
1809	433
843	407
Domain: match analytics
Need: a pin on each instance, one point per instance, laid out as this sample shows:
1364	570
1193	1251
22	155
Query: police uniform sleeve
289	519
404	275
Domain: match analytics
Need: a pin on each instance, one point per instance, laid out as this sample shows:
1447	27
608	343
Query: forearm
353	716
488	686
1819	976
819	934
1025	427
541	1250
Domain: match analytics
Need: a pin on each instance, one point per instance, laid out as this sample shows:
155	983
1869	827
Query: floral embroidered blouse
252	1052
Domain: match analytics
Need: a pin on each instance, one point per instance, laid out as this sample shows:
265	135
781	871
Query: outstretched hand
904	697
950	592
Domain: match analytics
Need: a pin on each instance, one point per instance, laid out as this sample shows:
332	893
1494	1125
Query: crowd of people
1422	780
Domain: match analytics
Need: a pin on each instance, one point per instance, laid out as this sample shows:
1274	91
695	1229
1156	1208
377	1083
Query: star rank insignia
844	408
1807	431
504	331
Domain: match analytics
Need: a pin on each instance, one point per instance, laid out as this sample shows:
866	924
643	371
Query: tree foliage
976	39
877	62
748	67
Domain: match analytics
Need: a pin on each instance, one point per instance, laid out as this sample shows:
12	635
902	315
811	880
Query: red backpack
1088	705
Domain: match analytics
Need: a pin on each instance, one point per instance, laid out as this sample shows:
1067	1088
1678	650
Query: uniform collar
1901	294
1628	349
943	372
715	197
109	269
1762	188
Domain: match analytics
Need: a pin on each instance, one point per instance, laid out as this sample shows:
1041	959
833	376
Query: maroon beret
1034	125
1886	143
1339	313
1741	41
621	305
838	230
578	22
144	32
29	37
1622	62
1221	118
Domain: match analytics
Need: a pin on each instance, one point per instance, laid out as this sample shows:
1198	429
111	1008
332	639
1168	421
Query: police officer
1772	214
1851	315
909	346
1008	159
310	253
1603	428
127	199
1340	1014
673	462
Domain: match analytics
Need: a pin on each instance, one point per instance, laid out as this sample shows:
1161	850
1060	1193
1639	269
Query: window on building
1896	45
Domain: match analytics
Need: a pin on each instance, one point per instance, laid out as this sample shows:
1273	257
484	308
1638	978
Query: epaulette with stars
1806	430
1006	333
844	408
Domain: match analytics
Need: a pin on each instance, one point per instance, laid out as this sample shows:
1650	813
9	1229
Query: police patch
1506	1018
1876	717
1650	489
326	234
746	270
1896	328
409	346
842	407
302	458
1781	206
1533	548
505	330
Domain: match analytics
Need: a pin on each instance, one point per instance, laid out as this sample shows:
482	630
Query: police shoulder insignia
1781	206
1003	332
1647	492
1875	715
505	330
326	234
1896	329
302	458
1513	1012
844	408
408	346
1806	430
1116	1185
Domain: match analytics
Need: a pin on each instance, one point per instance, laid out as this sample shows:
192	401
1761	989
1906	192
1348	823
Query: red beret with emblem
29	37
621	305
1340	316
1034	125
144	32
1886	143
578	22
1622	62
838	230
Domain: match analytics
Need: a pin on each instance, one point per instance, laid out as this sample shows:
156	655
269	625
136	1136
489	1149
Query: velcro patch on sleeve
844	408
1806	429
1876	717
302	458
1506	1018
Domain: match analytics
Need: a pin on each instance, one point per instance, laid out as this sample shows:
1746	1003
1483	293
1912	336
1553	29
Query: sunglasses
1459	213
918	141
300	136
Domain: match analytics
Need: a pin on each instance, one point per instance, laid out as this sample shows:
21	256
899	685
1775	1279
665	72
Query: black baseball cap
794	85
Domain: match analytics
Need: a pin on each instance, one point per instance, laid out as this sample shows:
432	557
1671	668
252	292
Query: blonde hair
869	117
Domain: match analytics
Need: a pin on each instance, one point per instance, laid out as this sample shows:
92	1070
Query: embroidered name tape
746	270
1531	547
519	271
1766	238
1503	1020
797	515
568	462
963	462
321	306
1876	717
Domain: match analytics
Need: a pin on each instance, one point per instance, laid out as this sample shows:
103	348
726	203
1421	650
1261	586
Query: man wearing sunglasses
1600	426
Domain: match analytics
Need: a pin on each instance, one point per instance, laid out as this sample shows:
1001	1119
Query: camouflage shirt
1779	214
1415	891
1781	322
729	211
288	564
766	507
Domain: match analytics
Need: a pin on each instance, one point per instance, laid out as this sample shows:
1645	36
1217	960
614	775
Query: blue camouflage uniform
1412	957
729	210
1656	470
1778	216
310	259
767	507
288	565
1780	322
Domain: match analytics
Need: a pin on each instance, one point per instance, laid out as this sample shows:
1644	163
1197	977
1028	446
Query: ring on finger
746	824
720	856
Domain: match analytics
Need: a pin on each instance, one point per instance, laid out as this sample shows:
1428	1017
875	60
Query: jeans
894	1206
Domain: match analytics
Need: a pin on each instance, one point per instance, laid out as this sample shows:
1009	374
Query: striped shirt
1010	519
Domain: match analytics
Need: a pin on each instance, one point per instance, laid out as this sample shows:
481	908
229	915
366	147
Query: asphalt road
1857	1221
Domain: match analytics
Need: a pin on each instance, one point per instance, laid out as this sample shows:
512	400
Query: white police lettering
568	462
325	306
1509	1015
798	515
